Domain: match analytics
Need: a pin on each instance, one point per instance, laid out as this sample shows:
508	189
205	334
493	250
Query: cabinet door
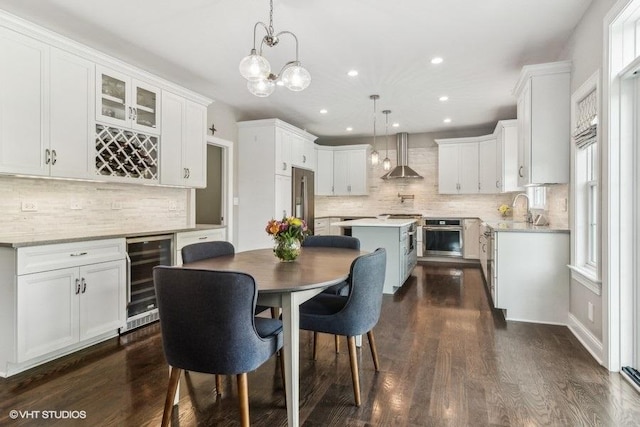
487	166
471	239
171	171
102	298
72	110
113	104
194	150
22	104
309	155
468	168
341	184
283	141
448	168
283	197
524	136
324	173
145	104
358	172
47	317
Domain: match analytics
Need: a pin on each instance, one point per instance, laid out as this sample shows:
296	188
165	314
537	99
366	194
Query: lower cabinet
471	238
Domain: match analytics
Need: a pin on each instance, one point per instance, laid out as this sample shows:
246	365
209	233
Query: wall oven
144	253
442	237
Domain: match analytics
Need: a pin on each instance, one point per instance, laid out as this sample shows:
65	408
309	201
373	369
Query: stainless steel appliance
442	237
302	187
144	253
413	238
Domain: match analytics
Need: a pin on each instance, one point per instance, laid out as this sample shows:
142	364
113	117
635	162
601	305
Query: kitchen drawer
197	236
34	259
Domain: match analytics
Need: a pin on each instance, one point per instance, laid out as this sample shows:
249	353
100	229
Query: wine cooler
143	254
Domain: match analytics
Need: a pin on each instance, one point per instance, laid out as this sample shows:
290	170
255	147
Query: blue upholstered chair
208	325
354	314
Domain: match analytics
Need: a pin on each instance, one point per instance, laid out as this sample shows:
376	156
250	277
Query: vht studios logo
51	415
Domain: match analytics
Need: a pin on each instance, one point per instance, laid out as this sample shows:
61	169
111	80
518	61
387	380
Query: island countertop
375	222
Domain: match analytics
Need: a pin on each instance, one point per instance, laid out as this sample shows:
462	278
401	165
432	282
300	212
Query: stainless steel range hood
402	170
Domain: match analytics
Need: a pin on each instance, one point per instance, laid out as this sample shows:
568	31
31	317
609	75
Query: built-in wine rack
124	153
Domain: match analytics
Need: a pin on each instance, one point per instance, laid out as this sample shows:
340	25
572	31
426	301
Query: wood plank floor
446	360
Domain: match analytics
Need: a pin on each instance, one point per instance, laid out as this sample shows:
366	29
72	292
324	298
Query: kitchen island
397	236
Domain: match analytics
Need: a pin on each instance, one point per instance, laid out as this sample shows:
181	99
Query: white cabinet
23	100
59	298
506	134
264	191
471	238
457	166
183	145
342	170
543	93
303	153
487	165
123	101
185	238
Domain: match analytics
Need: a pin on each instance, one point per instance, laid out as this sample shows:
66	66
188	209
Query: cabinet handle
203	238
184	172
77	286
304	159
520	172
54	157
188	173
284	166
478	186
47	156
135	113
78	254
130	114
84	285
284	213
497	184
484	247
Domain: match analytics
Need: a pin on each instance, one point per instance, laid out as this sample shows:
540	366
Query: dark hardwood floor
446	360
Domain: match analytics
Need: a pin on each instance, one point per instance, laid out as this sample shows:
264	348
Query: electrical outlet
75	205
590	311
173	205
29	206
116	205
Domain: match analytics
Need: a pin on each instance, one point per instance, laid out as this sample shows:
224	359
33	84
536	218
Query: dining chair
354	314
208	325
342	288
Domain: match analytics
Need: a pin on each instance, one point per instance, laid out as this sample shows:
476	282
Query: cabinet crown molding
277	123
548	68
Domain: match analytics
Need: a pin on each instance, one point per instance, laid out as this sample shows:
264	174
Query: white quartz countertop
513	226
374	222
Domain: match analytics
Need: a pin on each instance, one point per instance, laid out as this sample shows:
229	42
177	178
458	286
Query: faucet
515	199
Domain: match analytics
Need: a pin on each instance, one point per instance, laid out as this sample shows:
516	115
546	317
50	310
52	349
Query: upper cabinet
543	93
506	135
457	165
324	171
124	101
342	170
303	153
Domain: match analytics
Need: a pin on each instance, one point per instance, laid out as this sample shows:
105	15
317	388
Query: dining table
287	285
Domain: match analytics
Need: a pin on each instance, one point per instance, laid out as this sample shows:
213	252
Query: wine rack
125	153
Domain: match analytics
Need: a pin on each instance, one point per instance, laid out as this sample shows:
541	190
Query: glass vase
287	250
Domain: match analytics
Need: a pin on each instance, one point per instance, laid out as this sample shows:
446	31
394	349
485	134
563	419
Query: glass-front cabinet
126	102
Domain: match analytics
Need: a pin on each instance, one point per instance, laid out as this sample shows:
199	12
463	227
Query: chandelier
375	157
257	70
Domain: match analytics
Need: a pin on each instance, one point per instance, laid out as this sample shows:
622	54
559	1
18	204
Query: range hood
402	170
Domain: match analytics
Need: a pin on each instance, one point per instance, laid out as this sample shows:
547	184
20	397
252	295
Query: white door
113	104
341	173
102	298
171	170
47	317
488	166
71	124
145	102
524	135
357	172
194	144
283	197
282	152
22	104
468	168
324	173
448	168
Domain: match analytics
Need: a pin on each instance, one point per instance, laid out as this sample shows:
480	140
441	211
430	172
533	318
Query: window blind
586	132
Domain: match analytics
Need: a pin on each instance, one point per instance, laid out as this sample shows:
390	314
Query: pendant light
386	163
375	157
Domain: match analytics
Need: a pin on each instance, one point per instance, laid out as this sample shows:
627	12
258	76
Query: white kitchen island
397	236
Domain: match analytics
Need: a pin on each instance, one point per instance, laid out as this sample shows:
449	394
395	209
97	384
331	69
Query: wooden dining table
287	285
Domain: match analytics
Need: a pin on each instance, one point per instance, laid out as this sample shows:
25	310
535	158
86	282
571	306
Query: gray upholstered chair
354	314
208	325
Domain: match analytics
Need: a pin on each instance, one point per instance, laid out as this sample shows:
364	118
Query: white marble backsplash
106	207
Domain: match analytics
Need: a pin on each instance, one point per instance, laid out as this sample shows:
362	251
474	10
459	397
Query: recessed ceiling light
352	73
436	60
349	129
323	111
444	98
395	125
447	120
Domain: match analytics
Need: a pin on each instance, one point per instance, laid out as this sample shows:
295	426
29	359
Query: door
47	318
282	197
524	135
113	105
488	166
194	144
324	173
468	168
357	170
448	168
102	298
145	104
341	173
171	171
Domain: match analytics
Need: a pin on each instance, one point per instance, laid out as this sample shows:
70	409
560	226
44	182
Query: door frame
227	181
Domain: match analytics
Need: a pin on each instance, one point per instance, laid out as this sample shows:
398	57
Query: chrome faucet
528	219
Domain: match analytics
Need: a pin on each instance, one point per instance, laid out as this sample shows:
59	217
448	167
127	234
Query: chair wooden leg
243	398
275	312
218	385
353	358
337	340
374	350
174	379
284	384
315	345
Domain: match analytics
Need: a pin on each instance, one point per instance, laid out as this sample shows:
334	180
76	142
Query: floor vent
141	321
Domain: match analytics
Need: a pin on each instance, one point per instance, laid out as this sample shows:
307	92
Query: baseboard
586	338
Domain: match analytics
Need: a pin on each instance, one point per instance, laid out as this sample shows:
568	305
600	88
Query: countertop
512	226
22	240
374	222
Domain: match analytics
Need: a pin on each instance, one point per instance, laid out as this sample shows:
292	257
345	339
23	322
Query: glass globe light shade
375	157
386	164
254	67
296	78
261	88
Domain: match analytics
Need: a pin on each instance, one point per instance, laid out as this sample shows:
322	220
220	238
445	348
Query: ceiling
199	43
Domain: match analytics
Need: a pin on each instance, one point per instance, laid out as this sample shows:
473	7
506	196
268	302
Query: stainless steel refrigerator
302	197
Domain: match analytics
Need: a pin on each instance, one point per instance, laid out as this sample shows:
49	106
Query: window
591	190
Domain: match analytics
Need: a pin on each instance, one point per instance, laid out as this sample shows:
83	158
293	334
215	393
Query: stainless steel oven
442	237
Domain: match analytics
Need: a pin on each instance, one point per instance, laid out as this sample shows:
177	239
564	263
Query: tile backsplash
88	207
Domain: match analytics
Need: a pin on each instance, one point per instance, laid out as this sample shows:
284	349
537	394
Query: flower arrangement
504	210
288	234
